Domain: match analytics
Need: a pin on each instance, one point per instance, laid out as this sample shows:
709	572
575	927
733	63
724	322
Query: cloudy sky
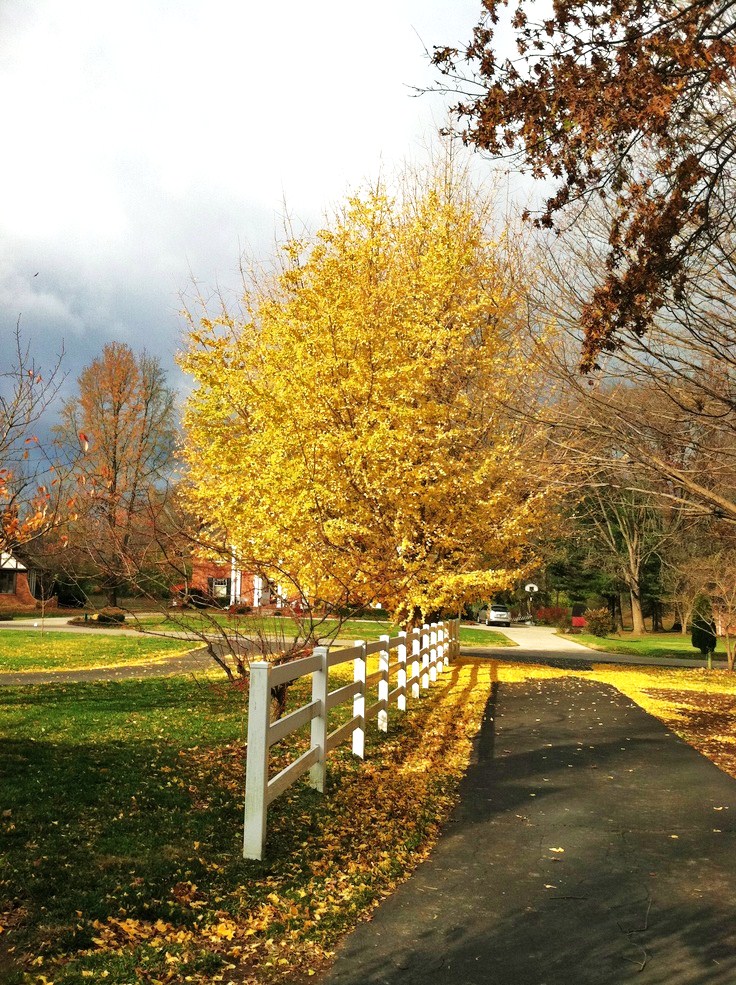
150	142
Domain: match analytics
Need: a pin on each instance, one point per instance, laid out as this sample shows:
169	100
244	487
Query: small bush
564	623
550	615
6	616
109	616
362	612
106	617
240	610
598	622
704	634
197	599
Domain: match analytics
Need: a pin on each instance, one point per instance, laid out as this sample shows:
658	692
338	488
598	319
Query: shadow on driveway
590	846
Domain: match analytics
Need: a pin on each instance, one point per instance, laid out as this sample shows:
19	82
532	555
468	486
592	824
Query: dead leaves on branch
625	102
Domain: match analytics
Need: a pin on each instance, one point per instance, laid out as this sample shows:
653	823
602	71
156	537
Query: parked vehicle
495	615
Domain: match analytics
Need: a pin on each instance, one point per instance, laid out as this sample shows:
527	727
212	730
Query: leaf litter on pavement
146	781
121	841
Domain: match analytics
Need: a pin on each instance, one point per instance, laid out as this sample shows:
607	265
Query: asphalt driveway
591	847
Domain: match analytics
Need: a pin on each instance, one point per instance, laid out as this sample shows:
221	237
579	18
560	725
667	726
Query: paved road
591	847
542	642
535	643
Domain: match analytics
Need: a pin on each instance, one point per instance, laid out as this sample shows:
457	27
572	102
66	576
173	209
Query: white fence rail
420	657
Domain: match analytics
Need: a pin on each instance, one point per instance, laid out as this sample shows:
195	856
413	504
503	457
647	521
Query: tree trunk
637	617
619	615
657	626
687	615
680	620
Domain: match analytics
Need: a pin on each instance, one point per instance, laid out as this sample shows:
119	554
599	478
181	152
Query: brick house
227	585
15	591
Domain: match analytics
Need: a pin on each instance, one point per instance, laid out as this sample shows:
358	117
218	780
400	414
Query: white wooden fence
421	656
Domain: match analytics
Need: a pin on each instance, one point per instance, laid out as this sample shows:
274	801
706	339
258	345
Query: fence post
401	652
383	662
415	648
320	689
425	656
359	701
440	647
256	774
433	652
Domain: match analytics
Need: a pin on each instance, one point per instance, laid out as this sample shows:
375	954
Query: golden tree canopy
345	432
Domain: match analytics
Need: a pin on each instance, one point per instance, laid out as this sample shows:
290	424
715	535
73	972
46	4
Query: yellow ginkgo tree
346	432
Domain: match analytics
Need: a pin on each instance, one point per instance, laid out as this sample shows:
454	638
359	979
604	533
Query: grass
35	651
121	822
271	626
284	626
652	645
28	651
483	637
121	830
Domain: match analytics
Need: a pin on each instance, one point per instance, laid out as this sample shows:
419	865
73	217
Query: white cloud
150	140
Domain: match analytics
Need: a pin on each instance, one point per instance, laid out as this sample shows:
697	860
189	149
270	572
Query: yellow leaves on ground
697	705
381	819
225	930
508	673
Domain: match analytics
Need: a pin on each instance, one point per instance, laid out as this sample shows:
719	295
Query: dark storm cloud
78	295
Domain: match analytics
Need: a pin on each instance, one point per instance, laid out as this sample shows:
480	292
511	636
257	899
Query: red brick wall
22	598
203	570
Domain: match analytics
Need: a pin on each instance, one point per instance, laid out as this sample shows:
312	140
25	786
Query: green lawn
109	790
483	637
270	626
121	830
280	626
33	650
652	645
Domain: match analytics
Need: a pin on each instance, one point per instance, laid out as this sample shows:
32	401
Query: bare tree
666	401
29	483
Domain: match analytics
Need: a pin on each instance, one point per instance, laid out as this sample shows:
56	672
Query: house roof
9	562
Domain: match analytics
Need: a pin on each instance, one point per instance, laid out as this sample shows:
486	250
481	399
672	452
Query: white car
497	615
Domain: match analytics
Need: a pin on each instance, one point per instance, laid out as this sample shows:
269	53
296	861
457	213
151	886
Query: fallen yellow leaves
698	706
380	820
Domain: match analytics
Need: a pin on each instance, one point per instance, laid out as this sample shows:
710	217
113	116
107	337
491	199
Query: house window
7	582
219	588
